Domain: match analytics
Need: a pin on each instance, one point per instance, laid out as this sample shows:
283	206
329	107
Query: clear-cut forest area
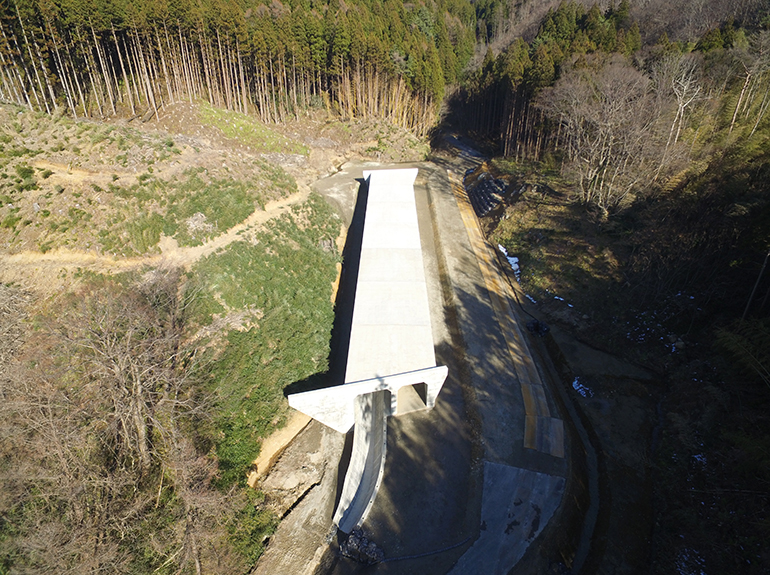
166	271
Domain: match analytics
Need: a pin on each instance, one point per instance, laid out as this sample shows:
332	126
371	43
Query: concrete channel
484	482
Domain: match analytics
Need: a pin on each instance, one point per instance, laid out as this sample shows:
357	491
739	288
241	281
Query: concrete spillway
367	460
391	330
391	365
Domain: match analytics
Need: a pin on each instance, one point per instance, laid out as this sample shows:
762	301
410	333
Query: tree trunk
34	67
166	77
740	99
125	75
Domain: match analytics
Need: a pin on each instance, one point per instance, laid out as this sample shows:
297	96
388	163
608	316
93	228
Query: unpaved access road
43	271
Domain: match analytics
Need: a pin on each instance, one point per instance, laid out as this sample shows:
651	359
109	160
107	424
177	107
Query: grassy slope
278	281
260	314
113	189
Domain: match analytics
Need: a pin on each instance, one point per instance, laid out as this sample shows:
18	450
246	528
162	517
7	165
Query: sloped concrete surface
391	330
367	462
516	505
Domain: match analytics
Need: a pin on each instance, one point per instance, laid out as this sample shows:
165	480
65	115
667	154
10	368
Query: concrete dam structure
391	364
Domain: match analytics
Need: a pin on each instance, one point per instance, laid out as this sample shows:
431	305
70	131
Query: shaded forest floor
685	447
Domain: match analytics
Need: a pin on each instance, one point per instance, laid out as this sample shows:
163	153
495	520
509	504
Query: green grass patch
285	280
24	171
251	526
20	152
10	221
77	216
144	231
249	131
278	177
191	209
221	202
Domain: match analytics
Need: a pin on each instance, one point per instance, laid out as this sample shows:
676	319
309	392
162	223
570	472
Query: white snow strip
513	261
581	388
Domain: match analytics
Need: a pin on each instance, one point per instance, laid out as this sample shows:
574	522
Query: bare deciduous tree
606	115
98	456
128	351
676	78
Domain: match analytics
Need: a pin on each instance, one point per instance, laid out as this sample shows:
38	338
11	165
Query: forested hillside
636	138
638	128
359	58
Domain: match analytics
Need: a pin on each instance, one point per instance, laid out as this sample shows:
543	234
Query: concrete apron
524	466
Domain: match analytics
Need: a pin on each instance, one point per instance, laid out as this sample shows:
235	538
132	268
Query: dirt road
46	271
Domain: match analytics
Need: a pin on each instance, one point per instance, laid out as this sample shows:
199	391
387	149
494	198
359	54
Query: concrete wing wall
367	462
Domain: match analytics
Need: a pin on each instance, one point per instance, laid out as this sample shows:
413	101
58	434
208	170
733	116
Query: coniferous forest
272	59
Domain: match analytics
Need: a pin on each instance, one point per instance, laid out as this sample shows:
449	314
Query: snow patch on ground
689	562
513	261
582	388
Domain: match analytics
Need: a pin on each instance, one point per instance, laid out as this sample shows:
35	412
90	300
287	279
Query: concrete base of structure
334	406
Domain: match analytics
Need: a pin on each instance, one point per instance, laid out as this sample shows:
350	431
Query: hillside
142	193
162	283
166	271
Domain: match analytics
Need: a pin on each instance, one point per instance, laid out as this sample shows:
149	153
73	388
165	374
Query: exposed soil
66	179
